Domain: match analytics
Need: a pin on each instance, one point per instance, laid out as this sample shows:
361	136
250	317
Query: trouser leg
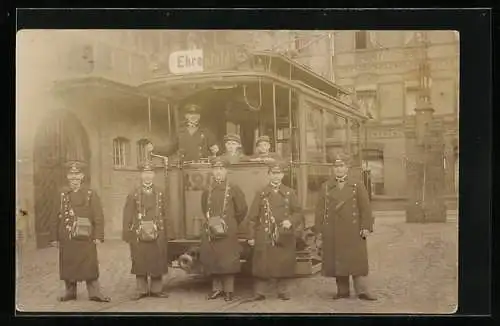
342	285
93	288
228	283
70	287
217	284
360	284
156	284
142	284
282	286
260	286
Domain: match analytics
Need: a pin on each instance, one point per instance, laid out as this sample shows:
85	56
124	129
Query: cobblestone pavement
413	269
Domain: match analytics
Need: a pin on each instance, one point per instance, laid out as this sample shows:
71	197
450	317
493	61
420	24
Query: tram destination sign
203	60
185	62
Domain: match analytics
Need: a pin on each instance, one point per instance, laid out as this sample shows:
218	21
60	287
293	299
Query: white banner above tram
203	60
185	62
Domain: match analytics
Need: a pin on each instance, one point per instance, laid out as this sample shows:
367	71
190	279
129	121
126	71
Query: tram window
335	135
121	152
356	141
314	139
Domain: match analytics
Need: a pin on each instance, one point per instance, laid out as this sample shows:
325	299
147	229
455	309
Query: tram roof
257	65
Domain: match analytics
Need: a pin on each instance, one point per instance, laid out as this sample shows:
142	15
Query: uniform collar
332	182
147	188
270	189
221	184
68	189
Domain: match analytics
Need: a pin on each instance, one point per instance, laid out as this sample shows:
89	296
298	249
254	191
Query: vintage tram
307	117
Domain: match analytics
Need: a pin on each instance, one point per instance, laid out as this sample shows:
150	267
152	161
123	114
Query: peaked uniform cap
263	139
192	108
75	166
277	167
342	158
232	137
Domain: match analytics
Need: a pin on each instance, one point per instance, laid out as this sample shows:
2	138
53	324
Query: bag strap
209	200
226	191
325	213
89	196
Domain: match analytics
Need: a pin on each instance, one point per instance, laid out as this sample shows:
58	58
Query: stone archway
59	138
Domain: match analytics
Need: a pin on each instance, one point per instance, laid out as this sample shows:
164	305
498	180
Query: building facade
382	68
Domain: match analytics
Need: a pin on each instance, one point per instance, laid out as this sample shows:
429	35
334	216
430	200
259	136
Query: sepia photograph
237	171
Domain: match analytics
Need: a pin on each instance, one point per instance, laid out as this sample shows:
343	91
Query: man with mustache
145	228
275	218
263	154
193	141
76	230
233	153
225	207
344	219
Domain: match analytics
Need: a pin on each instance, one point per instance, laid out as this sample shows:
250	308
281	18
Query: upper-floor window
361	40
367	100
411	100
121	152
142	154
300	42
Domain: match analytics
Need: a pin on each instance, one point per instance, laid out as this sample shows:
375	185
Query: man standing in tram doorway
344	219
146	229
233	154
193	141
225	207
263	154
76	230
274	218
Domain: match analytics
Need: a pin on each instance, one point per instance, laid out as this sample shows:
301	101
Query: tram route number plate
197	181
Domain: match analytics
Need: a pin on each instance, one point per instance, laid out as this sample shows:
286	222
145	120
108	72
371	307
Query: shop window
374	162
121	152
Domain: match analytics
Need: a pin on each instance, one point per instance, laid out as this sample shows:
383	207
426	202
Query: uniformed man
225	207
146	229
193	142
274	219
76	230
344	219
262	146
233	153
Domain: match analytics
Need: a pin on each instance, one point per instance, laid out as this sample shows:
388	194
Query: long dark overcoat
78	258
340	216
148	258
276	261
222	256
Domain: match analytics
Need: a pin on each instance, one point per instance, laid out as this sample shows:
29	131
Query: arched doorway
59	138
